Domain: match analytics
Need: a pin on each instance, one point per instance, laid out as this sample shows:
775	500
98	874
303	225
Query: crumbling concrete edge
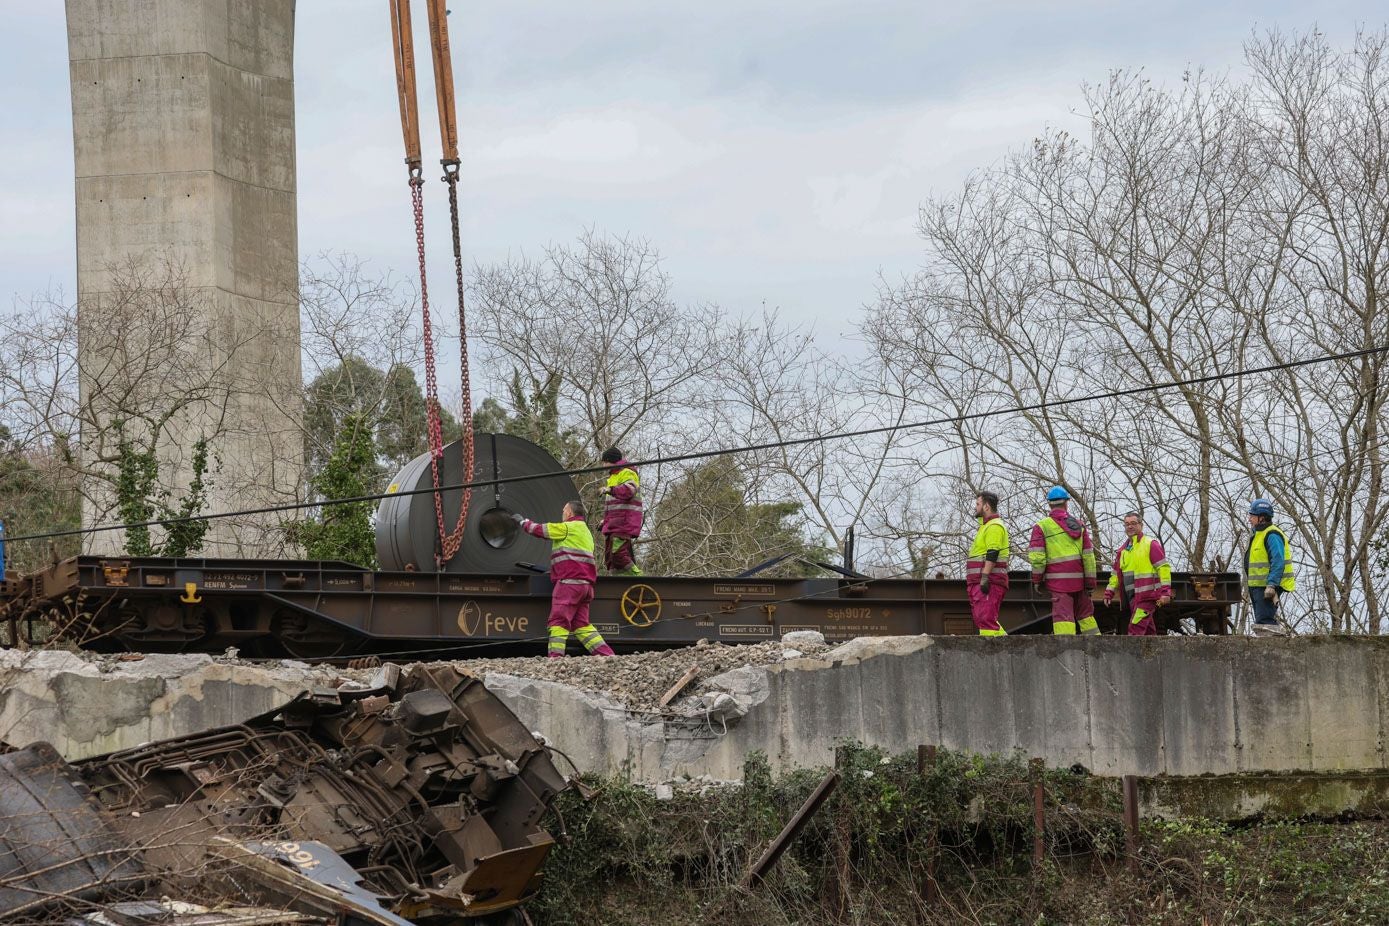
87	707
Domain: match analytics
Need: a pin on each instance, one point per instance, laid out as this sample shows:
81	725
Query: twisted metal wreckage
417	798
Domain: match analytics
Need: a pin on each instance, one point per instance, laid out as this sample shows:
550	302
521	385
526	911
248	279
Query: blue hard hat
1058	494
1261	506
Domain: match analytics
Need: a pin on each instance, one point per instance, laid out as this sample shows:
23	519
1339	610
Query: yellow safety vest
1256	563
571	554
1136	563
1061	548
992	535
622	476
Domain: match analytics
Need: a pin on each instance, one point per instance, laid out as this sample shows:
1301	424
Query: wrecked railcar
418	798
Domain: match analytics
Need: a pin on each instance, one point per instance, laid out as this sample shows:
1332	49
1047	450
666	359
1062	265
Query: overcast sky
775	152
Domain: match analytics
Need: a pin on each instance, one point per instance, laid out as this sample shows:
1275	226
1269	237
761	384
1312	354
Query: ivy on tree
139	499
344	532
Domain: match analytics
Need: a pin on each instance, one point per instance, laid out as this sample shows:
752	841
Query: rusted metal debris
415	799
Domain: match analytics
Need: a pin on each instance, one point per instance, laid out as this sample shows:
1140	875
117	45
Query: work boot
603	649
1269	630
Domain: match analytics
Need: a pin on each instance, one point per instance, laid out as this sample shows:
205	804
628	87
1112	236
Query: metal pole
783	840
1038	814
1131	820
925	764
2	551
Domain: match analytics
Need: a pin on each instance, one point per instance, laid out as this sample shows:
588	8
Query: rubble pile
415	797
640	680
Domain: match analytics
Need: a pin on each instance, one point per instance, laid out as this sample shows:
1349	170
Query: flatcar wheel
326	649
303	637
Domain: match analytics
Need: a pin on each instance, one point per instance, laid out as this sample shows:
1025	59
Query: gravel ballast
639	680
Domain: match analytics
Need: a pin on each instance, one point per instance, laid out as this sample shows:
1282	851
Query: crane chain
431	384
452	541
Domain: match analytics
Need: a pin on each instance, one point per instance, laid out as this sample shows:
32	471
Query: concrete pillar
183	126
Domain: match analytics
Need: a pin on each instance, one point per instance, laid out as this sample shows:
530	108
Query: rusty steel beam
778	846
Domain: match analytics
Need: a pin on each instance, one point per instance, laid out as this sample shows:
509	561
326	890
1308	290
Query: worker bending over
986	572
1063	560
622	515
1268	567
573	572
1142	563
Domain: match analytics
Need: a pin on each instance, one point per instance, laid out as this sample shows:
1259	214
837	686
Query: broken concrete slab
88	705
1164	706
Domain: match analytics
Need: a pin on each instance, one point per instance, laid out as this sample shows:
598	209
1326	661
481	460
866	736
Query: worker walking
1063	560
622	515
1147	577
986	572
574	573
1268	568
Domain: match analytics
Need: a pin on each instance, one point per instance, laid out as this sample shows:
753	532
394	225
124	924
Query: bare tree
154	380
776	384
599	317
361	347
1198	232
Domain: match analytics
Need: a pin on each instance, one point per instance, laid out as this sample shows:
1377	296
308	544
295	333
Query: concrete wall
87	706
1165	706
1183	707
183	129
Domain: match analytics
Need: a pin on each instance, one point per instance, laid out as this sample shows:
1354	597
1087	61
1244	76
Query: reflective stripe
572	582
621	506
1063	628
572	556
590	637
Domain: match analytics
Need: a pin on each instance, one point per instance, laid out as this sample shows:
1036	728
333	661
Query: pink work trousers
1071	607
983	607
1144	625
569	606
617	553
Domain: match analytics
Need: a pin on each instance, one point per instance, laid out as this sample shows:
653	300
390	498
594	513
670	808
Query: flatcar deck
317	609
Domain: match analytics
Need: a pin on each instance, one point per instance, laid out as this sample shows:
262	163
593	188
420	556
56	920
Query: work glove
1109	596
1090	584
518	518
1164	601
1270	594
984	583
